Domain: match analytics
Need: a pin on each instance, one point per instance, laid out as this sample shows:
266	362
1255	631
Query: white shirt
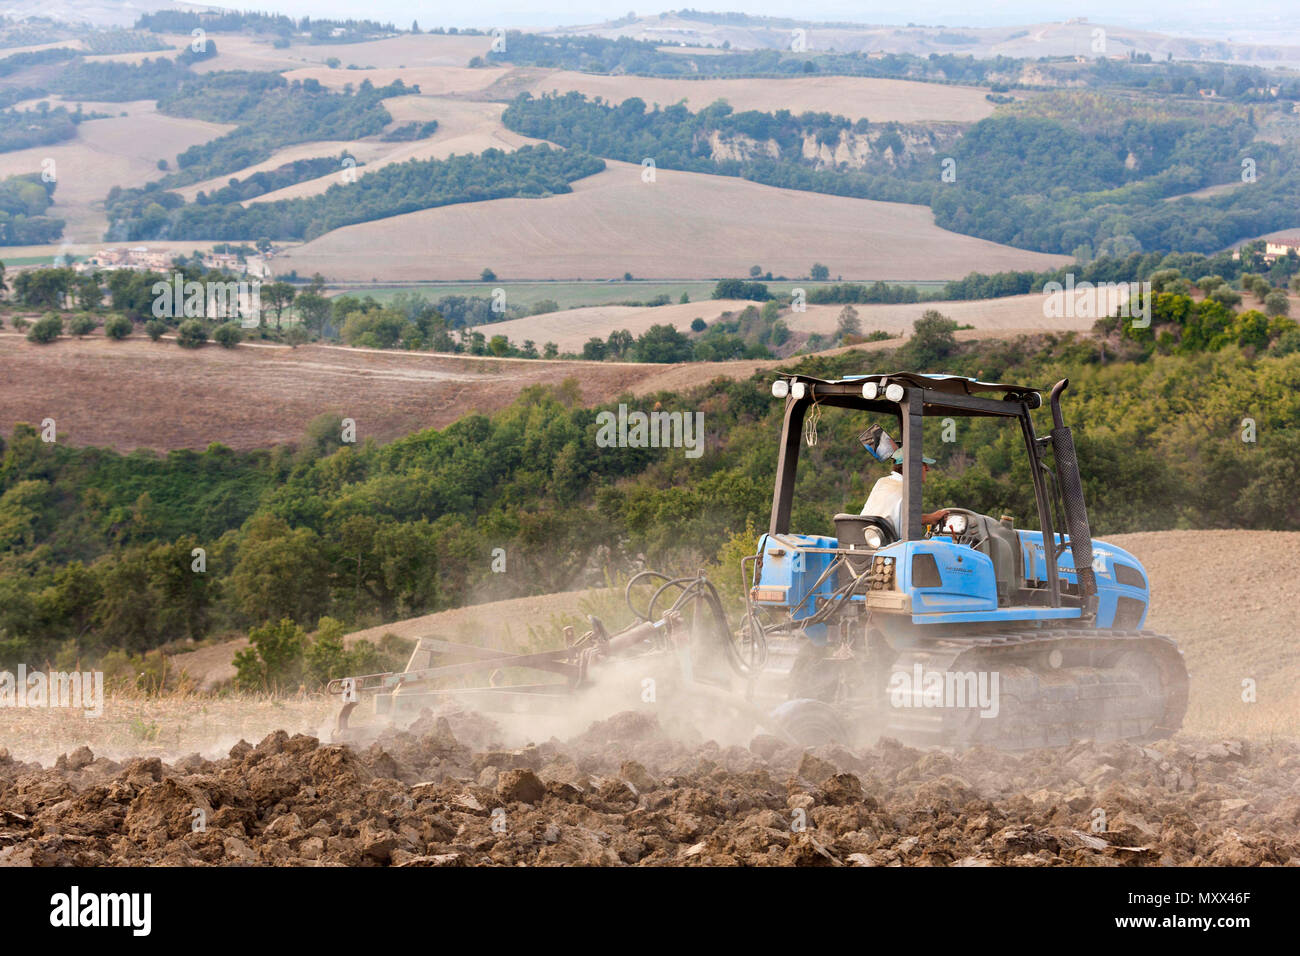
886	500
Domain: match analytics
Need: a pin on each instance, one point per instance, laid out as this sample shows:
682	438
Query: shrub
118	327
1225	296
228	335
82	324
45	330
1287	343
191	334
20	323
273	659
295	335
155	328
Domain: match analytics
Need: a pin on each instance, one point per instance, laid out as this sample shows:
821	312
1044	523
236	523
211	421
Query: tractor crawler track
1053	687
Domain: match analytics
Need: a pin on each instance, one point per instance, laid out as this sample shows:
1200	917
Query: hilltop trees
531	171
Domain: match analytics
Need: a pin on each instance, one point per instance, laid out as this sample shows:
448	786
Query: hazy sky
1214	17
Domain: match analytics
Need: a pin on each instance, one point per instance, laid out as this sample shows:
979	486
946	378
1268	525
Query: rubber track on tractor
1039	705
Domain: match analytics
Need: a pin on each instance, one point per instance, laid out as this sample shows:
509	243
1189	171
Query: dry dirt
448	793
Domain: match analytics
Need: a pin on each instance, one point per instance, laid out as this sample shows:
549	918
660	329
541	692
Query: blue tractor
951	628
955	628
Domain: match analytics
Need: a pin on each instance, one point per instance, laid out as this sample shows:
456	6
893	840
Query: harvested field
260	395
570	328
236	52
464	127
857	97
683	225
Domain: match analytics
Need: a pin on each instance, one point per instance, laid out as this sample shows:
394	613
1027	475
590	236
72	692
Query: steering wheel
967	535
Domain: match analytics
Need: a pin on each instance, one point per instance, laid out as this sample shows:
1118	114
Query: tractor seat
1001	543
851	533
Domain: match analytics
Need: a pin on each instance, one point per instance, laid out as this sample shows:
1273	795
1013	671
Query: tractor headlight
873	538
798	389
894	392
870	390
954	524
780	388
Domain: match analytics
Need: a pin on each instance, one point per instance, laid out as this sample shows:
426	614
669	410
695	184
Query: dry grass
684	225
167	726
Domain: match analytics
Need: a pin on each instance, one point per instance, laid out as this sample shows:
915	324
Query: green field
15	261
574	295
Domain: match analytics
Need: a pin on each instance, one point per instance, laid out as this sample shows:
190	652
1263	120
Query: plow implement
675	657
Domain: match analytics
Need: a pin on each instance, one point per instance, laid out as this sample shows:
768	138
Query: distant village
145	259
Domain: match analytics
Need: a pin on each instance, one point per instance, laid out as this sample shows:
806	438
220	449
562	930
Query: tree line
532	171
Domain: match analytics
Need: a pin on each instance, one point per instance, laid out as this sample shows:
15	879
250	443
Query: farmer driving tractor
886	498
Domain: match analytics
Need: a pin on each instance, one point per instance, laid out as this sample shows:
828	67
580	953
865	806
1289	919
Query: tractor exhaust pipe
1076	512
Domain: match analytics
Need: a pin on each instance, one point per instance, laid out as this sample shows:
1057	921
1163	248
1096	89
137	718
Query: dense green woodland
24	201
96	547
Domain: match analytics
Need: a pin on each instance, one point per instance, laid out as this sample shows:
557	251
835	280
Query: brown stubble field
140	394
683	225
